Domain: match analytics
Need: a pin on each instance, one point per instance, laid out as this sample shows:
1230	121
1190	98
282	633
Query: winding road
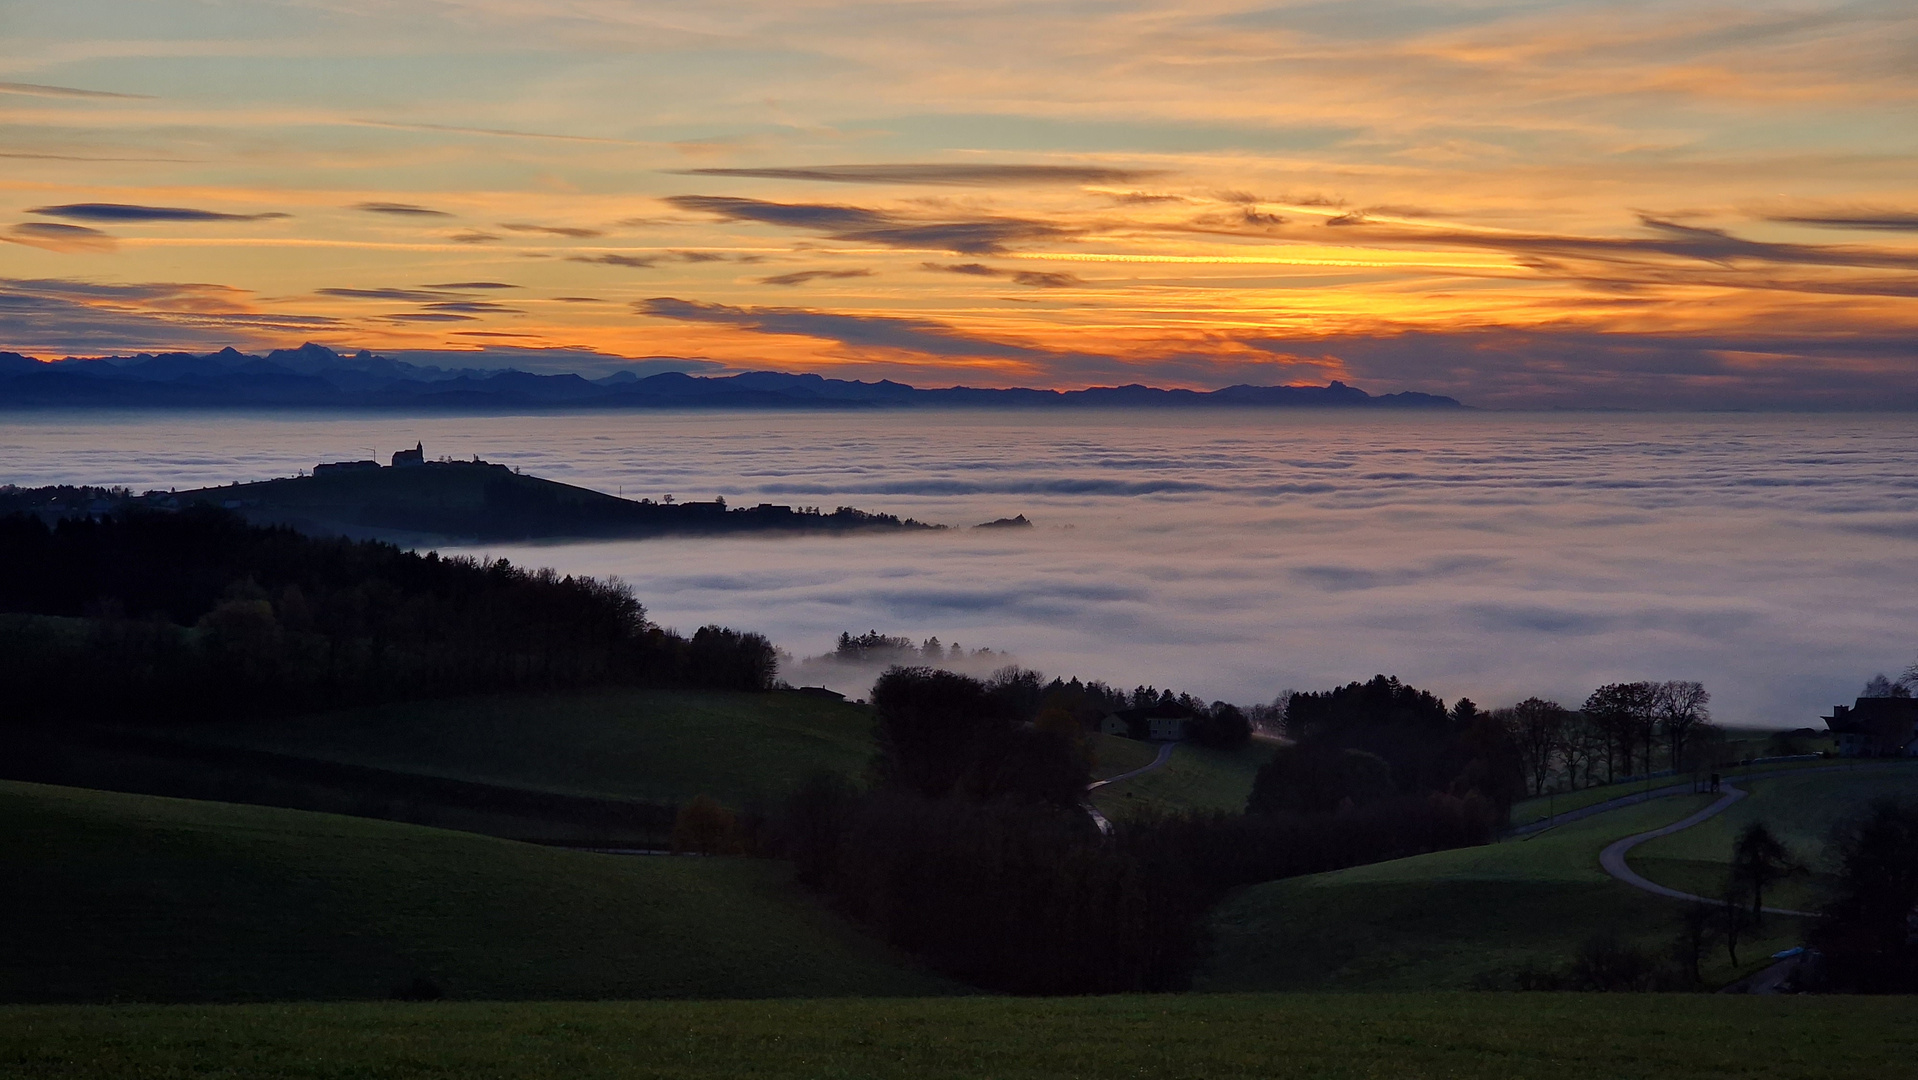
1104	823
1612	859
1165	755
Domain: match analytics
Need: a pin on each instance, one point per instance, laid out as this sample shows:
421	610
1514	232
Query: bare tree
1681	708
1581	746
1881	686
1537	727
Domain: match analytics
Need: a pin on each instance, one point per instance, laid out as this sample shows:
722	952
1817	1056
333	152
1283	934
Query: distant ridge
421	501
314	376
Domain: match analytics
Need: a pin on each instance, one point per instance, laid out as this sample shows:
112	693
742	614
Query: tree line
1622	730
197	614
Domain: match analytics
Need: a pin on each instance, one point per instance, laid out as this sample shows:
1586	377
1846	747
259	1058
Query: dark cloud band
41	90
941	175
400	209
1038	279
1888	220
570	231
804	276
983	235
132	212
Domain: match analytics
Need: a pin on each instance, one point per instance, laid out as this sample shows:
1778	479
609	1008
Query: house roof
1870	713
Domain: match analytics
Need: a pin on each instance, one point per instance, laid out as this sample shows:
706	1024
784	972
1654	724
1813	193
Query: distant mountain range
314	376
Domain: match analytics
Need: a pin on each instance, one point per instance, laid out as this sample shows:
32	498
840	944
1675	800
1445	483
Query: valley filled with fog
1225	553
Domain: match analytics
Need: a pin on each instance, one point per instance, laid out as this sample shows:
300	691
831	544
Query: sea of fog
1229	554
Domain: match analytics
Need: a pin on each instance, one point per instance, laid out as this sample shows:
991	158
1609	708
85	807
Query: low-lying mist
1230	555
858	660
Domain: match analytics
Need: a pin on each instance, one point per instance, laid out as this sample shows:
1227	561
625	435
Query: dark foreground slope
1322	1037
133	898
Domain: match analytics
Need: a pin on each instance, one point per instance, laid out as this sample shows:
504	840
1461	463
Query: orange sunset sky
1519	204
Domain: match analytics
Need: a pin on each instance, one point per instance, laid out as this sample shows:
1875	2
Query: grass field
128	897
1529	811
1112	754
1447	919
1325	1037
657	745
1195	778
1801	809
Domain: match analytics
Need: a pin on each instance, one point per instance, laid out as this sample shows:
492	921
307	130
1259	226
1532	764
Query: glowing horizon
1514	204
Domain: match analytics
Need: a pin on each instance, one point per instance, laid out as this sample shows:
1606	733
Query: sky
1523	205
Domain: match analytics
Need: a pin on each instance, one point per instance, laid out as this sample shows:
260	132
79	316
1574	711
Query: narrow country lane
1612	859
1104	823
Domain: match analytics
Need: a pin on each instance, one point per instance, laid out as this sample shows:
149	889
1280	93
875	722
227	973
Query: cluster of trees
197	614
1622	729
1371	742
971	847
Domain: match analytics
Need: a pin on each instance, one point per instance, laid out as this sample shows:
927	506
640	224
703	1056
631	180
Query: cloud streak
981	235
396	209
42	90
52	236
129	212
926	337
570	231
42	315
1886	220
1038	279
803	276
944	175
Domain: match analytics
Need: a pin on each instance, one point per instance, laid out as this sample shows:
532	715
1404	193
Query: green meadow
1194	778
656	745
1455	919
1531	811
1114	754
115	897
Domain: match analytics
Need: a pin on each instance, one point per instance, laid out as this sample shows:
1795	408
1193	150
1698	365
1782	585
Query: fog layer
1230	555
